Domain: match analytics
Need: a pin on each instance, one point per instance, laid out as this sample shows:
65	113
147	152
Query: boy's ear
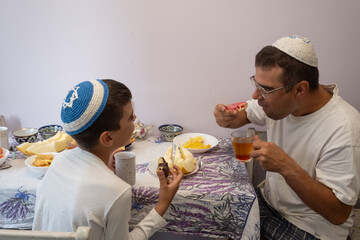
105	139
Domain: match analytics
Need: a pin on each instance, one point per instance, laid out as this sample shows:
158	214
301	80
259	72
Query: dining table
217	200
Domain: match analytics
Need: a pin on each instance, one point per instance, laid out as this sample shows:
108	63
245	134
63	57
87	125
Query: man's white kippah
83	105
299	48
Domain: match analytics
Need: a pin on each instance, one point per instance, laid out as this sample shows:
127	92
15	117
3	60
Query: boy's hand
168	188
111	162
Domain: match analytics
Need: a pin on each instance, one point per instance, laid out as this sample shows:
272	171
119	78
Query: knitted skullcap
299	48
83	105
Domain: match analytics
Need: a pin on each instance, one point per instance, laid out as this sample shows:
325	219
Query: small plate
208	139
5	155
130	142
154	164
38	170
5	166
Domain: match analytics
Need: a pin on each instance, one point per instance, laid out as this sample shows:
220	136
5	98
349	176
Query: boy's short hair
106	118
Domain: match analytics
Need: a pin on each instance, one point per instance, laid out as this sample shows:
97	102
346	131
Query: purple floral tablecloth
216	201
17	195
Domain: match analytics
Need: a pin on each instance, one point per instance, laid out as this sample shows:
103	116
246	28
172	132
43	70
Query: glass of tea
243	145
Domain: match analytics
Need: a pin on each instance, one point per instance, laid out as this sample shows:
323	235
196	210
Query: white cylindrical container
125	166
4	138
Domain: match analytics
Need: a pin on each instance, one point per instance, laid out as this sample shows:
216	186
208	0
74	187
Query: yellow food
196	143
22	148
186	154
44	156
57	143
168	156
43	160
188	165
183	158
177	158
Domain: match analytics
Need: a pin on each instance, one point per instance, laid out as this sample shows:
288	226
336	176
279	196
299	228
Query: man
312	156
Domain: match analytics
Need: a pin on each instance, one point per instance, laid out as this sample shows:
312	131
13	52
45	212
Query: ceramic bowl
26	135
169	131
49	131
38	170
208	139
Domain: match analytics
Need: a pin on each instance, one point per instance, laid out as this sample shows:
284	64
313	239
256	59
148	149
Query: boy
79	189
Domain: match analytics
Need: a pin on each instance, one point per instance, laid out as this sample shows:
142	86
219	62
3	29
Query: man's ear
301	88
105	139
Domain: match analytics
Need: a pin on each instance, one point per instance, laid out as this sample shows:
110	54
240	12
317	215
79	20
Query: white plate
38	170
6	153
208	139
154	164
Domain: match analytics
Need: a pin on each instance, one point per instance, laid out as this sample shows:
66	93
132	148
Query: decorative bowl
208	139
49	131
26	135
169	131
4	155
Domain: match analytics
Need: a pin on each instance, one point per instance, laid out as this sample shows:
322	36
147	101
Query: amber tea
242	146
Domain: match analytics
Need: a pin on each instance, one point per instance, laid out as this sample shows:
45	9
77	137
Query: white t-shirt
80	190
326	144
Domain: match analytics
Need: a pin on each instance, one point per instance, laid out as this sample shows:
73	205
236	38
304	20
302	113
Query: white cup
125	166
4	138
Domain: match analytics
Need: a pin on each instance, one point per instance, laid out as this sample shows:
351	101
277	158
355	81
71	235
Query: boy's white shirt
80	190
326	144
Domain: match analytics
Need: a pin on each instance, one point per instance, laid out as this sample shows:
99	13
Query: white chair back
82	233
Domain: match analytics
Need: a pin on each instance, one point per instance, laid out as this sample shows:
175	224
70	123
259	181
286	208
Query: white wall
179	58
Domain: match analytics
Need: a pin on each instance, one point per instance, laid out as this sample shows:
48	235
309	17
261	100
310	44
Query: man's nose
257	95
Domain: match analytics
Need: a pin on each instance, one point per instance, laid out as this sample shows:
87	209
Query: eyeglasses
262	90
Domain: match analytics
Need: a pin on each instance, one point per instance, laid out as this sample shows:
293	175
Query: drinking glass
242	145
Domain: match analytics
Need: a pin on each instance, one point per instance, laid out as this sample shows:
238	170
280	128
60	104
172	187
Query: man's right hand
229	118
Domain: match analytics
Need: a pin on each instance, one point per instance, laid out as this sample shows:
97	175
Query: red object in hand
237	106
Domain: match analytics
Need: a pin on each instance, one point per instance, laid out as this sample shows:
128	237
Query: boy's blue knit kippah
83	105
299	48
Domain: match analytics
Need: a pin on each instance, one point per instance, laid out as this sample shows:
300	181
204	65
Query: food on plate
1	152
184	160
196	143
122	148
22	147
129	143
177	158
237	106
163	165
186	154
188	166
57	143
168	156
42	160
189	163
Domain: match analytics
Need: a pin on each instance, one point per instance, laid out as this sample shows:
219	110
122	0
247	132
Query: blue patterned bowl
49	131
26	135
169	131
